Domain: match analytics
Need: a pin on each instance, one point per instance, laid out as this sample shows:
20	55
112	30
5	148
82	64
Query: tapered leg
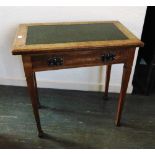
125	80
124	85
33	95
30	78
108	71
36	90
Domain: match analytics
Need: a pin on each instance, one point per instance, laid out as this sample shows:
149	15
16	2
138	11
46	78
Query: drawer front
77	59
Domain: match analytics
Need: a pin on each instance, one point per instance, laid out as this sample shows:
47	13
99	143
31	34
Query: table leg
125	80
124	85
36	90
108	72
30	78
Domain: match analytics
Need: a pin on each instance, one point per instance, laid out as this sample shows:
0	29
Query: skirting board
64	85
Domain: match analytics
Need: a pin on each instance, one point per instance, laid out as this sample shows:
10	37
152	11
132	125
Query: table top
38	38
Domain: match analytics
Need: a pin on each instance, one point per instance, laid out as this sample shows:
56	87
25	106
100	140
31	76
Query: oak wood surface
20	47
32	89
107	80
78	54
124	85
78	59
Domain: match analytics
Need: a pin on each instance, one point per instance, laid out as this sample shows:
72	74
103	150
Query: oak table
52	46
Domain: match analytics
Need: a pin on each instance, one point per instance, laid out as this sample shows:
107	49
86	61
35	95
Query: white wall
11	69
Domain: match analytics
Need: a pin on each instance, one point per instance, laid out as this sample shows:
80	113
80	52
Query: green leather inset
51	34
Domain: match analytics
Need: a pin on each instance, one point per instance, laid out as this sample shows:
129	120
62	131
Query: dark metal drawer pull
108	57
55	61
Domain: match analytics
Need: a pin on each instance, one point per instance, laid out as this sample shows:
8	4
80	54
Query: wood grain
77	54
19	46
125	80
31	84
107	80
77	59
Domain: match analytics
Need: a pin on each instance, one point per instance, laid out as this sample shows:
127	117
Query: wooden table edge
19	46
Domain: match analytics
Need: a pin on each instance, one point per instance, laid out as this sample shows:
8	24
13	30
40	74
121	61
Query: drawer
60	60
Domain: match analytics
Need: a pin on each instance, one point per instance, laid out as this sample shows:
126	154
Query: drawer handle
108	57
55	61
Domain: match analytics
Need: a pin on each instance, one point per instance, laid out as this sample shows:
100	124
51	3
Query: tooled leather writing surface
52	34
